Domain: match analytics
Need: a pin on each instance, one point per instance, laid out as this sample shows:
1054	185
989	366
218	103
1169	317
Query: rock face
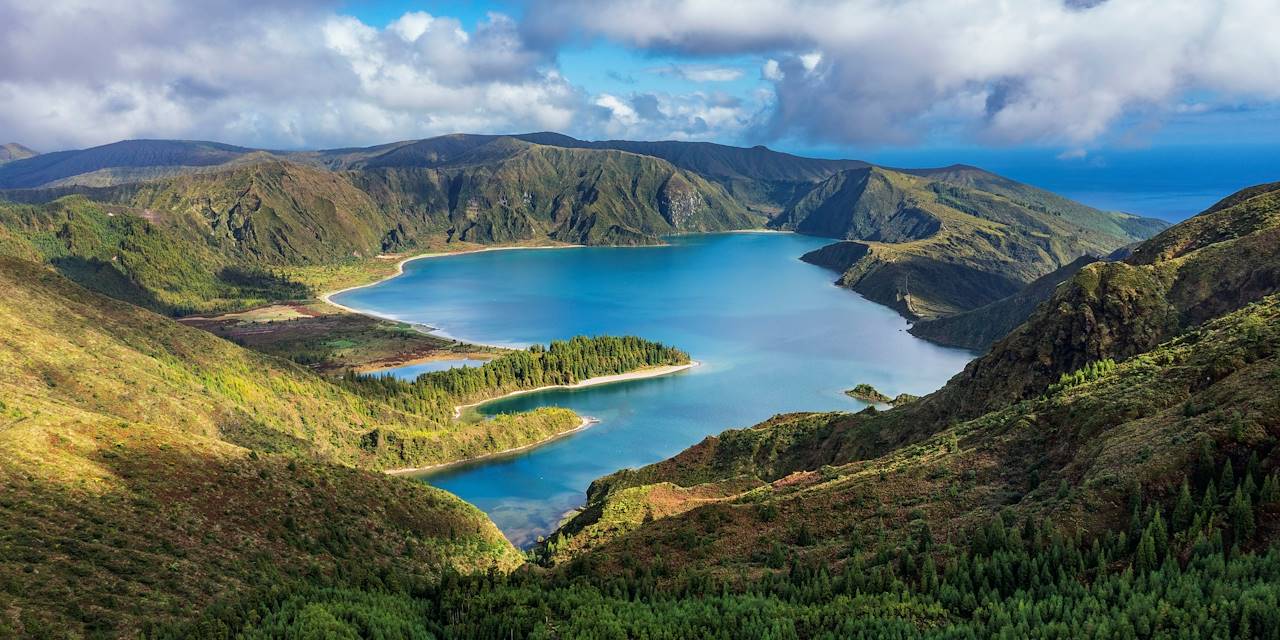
679	202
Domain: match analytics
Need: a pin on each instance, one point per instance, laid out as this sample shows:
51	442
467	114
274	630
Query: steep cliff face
943	242
586	196
862	204
979	328
489	189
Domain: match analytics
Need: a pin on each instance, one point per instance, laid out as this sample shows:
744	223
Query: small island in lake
867	393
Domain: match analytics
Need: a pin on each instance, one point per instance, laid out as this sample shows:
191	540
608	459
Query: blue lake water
773	333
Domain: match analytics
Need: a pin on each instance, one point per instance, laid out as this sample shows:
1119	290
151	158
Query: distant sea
1170	182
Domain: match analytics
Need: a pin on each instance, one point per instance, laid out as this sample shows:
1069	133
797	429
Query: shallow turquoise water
412	371
773	333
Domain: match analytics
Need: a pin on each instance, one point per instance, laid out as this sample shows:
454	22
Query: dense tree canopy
563	362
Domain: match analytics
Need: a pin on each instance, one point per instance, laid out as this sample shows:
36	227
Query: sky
1047	87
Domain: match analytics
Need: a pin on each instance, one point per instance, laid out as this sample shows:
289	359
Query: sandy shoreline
587	422
327	298
652	372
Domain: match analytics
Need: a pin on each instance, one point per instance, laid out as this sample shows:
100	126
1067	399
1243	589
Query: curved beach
652	372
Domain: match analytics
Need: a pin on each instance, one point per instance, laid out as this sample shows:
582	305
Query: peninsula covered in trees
562	363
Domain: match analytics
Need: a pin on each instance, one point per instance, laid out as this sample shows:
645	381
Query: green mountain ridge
927	242
978	329
932	247
488	189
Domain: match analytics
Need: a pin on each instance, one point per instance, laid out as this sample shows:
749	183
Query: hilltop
11	151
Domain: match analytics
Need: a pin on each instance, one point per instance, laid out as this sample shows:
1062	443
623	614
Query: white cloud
287	73
810	61
1041	70
276	74
699	72
622	116
770	70
412	25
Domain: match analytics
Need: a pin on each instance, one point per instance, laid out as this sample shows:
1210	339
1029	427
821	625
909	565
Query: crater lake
773	335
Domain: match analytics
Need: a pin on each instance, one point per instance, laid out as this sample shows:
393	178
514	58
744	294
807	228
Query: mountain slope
948	242
1206	266
203	242
506	190
766	181
978	329
129	159
358	202
1076	456
149	468
11	151
139	257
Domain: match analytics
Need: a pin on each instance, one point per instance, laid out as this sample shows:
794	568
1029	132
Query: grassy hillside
765	181
948	241
150	468
151	260
978	329
69	348
1209	265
